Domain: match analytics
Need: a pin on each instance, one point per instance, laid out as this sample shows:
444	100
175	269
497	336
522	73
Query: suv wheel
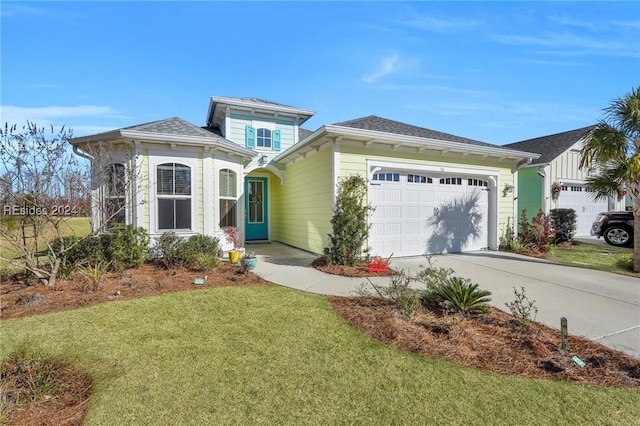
618	236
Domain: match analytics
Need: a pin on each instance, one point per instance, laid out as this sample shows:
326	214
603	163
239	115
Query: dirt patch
494	342
361	269
20	299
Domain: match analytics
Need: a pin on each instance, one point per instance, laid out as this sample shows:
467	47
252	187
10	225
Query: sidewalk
601	306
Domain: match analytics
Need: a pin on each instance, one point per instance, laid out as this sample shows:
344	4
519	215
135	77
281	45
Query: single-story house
555	180
253	167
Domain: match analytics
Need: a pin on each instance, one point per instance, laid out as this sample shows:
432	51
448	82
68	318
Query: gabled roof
216	112
174	131
170	126
380	124
552	146
382	133
303	133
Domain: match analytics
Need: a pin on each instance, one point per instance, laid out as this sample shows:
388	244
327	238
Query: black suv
615	227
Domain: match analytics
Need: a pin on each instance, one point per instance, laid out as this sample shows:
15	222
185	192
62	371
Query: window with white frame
174	196
114	195
228	198
263	138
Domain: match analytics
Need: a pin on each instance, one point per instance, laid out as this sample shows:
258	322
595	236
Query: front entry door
255	207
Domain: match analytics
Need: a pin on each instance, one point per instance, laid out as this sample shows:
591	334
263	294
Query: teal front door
255	207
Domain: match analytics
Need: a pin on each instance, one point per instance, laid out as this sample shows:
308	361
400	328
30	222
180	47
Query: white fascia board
572	181
419	141
261	107
106	136
296	147
473	171
197	141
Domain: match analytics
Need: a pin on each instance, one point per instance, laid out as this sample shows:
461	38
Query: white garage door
587	208
417	214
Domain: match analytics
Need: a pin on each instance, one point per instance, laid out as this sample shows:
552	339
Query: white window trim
176	197
161	157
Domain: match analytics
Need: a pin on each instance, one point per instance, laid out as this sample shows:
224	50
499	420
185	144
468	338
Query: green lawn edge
271	355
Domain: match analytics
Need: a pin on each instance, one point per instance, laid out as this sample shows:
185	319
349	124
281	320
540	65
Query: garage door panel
408	208
576	197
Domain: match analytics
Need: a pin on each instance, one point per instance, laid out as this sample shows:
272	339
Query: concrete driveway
598	305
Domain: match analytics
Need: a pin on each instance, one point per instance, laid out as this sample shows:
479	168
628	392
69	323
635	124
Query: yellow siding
305	203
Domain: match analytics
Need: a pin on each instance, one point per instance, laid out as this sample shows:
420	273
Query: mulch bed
67	403
494	342
20	299
361	269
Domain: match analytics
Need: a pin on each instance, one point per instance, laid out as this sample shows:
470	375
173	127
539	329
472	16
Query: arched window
263	138
114	195
228	198
174	196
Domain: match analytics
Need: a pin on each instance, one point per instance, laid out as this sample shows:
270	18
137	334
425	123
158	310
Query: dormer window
264	138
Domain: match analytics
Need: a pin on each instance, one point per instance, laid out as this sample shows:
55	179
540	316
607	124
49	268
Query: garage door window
451	181
386	177
476	182
418	179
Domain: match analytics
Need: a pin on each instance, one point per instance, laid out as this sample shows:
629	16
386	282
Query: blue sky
498	72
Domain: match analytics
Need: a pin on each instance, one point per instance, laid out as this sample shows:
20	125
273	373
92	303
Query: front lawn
271	355
594	256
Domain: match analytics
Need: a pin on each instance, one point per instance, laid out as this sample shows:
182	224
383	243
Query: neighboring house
254	168
557	167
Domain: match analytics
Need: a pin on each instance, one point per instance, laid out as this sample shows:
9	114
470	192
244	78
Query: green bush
563	223
168	249
349	222
460	295
78	252
198	251
126	246
400	292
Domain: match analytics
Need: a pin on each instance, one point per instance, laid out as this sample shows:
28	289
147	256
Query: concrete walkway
598	305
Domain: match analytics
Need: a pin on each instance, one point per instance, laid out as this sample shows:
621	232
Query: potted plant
234	238
249	261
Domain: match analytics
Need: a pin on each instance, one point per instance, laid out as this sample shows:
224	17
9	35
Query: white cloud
51	114
439	25
571	44
387	65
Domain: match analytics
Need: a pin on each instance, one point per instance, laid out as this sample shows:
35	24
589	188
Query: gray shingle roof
171	126
551	146
303	133
379	124
259	101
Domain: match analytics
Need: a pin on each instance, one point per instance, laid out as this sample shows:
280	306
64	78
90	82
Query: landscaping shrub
400	291
126	246
522	307
563	223
87	252
535	236
349	222
168	248
460	295
198	251
541	230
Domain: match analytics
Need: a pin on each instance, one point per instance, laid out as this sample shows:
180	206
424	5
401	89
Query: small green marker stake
565	334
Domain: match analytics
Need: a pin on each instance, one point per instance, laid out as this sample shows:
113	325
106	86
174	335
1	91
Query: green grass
270	355
79	226
595	256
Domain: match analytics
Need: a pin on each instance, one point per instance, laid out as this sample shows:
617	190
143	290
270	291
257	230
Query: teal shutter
275	137
250	137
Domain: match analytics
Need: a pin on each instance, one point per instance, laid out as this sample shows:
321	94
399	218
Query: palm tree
613	147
